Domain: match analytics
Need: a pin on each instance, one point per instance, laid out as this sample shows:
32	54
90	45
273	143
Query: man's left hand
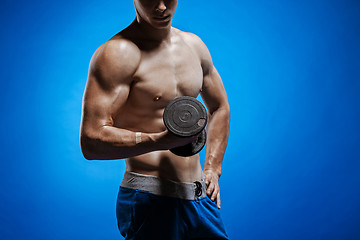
213	189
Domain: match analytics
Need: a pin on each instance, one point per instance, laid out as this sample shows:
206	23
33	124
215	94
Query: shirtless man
132	77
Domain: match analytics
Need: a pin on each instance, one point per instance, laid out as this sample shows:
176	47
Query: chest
167	73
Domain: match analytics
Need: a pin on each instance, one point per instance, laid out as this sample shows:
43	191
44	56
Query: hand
213	189
167	140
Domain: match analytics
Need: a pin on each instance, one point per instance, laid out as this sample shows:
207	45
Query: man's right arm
110	74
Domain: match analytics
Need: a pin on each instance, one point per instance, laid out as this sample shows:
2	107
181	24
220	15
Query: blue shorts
152	208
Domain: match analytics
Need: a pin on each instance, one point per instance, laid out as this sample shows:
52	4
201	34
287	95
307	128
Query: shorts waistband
164	187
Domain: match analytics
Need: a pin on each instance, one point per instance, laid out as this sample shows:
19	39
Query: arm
110	75
215	98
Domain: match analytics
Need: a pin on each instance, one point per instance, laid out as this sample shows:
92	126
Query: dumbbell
186	117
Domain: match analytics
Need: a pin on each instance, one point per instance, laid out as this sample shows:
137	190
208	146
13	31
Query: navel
157	98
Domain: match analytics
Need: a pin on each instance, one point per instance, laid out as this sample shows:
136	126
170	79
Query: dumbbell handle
193	148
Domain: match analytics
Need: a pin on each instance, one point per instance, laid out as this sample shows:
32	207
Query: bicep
100	105
108	85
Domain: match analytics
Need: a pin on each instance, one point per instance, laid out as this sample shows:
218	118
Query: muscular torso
165	71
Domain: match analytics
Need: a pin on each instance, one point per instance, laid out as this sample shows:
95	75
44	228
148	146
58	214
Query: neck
151	33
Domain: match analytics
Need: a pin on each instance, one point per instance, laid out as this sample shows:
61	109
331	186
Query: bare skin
132	77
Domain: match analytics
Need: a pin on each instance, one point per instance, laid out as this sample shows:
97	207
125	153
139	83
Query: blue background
292	73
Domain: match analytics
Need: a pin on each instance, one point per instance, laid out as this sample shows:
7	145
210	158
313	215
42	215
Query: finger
214	194
218	200
207	180
210	188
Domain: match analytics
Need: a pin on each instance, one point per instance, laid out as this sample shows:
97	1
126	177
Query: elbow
94	148
87	148
88	156
222	111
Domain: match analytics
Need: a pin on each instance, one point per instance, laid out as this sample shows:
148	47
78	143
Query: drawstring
198	189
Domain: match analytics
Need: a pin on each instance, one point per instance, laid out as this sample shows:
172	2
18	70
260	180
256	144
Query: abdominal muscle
162	164
167	165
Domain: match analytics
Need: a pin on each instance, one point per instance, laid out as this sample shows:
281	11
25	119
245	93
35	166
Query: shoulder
190	38
198	46
116	56
194	42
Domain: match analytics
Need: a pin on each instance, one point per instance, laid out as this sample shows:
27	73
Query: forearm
116	143
218	133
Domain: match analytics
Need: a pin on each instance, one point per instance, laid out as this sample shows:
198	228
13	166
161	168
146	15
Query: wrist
208	171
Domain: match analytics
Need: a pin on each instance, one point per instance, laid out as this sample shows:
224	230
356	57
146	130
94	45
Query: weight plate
185	116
